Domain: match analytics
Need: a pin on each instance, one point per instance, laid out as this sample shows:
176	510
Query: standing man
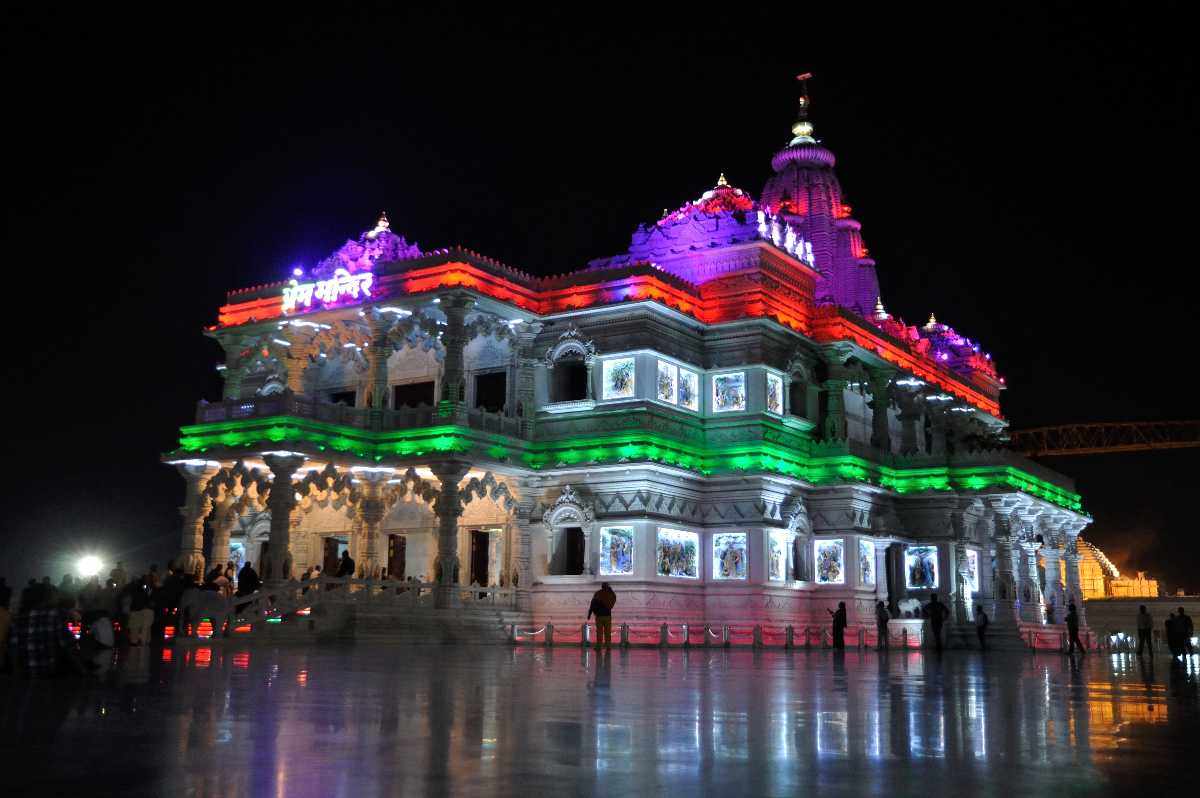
882	616
1073	630
839	626
1186	630
981	625
936	612
346	566
1145	630
603	600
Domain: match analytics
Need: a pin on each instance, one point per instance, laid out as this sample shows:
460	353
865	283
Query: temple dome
806	192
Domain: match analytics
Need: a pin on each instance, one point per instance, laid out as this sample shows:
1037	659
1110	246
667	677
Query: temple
724	421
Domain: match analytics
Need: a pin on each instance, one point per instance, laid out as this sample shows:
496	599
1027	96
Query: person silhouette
1073	630
839	625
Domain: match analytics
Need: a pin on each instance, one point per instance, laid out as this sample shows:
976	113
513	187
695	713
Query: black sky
1028	175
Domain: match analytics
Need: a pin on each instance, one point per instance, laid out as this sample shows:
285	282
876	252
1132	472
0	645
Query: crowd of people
54	628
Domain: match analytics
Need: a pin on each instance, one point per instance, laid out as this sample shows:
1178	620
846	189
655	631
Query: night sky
1025	175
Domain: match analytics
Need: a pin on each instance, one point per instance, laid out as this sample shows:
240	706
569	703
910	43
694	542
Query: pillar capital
281	502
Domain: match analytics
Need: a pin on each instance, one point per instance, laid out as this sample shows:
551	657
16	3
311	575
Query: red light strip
721	300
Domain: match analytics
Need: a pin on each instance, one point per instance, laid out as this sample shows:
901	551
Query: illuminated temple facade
724	422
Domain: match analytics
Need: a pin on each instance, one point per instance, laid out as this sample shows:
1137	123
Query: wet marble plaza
233	719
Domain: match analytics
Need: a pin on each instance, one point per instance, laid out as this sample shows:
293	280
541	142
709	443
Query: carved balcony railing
290	404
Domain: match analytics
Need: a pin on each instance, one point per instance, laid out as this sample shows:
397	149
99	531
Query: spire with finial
802	129
722	182
380	226
932	323
881	314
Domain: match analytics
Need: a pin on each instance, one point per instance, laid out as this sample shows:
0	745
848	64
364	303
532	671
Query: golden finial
932	322
802	129
380	225
722	182
880	312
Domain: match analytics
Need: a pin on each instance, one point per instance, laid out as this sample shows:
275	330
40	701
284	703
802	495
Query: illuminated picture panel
616	550
678	553
921	568
775	394
618	378
729	392
866	562
778	544
973	570
689	389
829	562
730	554
667	389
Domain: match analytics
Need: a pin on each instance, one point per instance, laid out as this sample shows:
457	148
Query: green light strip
635	446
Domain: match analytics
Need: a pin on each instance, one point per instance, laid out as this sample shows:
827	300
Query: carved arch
570	342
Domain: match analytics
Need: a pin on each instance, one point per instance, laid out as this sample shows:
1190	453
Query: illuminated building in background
724	421
1099	578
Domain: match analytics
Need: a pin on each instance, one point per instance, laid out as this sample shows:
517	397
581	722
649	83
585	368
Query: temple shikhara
724	422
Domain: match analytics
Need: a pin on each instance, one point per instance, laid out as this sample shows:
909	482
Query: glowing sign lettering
341	284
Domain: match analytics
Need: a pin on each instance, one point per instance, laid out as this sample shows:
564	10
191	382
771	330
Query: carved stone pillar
298	356
963	611
1071	558
233	371
195	509
1004	612
525	504
448	508
881	573
881	399
910	418
939	444
370	511
526	375
834	428
1056	610
589	363
224	521
281	502
454	340
1031	591
378	353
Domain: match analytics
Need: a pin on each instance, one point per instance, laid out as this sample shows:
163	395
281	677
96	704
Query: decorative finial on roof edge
722	182
381	225
881	313
802	129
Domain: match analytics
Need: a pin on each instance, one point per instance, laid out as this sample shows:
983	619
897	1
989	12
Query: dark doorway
569	381
800	559
412	394
479	558
798	399
397	556
332	556
343	397
263	548
569	555
491	390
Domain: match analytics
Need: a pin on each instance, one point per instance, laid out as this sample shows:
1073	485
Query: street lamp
89	566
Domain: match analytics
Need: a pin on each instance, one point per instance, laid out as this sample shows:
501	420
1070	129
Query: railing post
758	636
789	637
904	638
687	636
862	637
624	635
725	636
663	635
585	635
512	633
549	635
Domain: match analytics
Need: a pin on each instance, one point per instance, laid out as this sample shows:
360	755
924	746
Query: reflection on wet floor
234	720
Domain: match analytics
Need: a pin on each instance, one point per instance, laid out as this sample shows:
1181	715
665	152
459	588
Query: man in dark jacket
248	580
936	612
603	601
345	566
839	625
